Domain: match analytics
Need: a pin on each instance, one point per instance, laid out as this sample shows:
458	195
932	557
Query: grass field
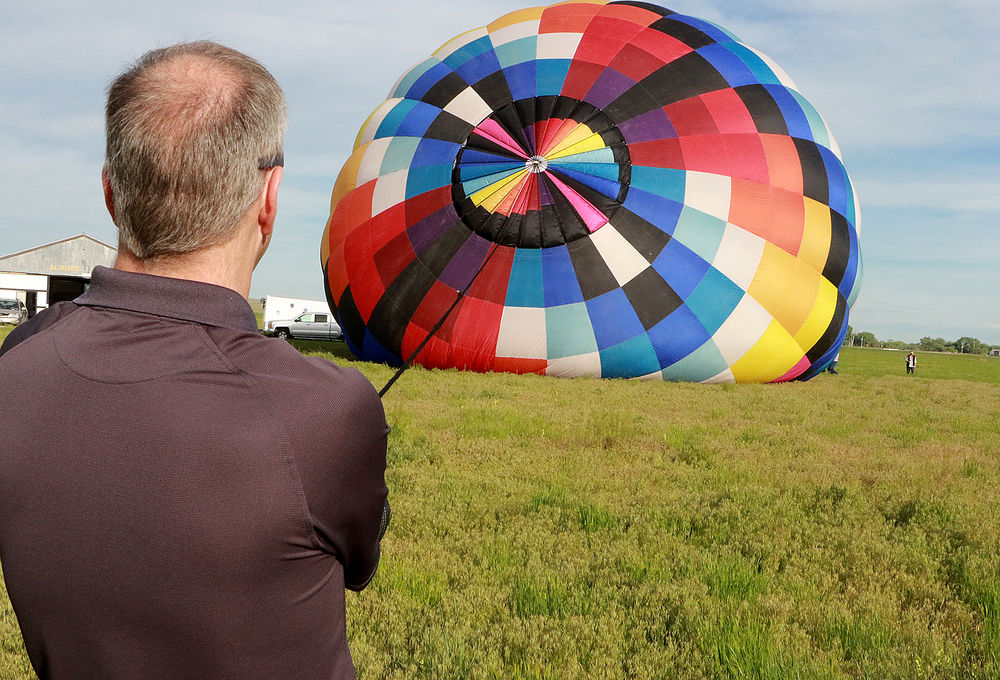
846	527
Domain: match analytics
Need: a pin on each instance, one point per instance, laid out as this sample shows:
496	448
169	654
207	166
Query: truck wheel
281	333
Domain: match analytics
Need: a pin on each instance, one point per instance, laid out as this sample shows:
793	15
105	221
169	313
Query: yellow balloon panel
776	353
815	246
819	319
785	286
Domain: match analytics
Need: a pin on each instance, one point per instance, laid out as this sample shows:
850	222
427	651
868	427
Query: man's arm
345	488
337	434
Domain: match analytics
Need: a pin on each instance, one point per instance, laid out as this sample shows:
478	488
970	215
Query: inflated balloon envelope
605	189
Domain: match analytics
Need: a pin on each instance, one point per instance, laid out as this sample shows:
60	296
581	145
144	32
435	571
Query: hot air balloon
604	189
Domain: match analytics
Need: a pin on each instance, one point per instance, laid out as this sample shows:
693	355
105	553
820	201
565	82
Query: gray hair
190	131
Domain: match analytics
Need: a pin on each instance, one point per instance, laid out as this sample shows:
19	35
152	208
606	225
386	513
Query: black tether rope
441	321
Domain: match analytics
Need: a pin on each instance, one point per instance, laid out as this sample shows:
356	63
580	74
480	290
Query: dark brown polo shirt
181	497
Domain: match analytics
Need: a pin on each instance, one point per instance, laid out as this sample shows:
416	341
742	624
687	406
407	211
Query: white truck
299	318
276	308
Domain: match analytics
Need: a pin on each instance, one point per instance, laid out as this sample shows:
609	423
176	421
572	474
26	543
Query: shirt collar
203	303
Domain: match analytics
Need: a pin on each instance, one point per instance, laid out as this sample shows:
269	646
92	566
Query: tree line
964	345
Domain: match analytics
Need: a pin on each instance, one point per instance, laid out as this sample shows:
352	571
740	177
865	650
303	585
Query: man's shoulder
308	394
38	323
276	366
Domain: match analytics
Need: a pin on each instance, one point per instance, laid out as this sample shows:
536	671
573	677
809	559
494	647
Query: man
183	497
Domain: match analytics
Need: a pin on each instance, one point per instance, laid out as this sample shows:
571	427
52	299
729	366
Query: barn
49	273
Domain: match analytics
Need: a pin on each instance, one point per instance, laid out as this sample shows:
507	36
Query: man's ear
269	209
109	199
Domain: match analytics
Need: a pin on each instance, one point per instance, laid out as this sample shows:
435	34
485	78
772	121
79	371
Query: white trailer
280	308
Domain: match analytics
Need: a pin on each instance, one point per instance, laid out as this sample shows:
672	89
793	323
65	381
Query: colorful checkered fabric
613	190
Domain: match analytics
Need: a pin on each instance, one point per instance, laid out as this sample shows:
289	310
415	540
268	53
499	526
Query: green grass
879	362
13	659
258	310
542	528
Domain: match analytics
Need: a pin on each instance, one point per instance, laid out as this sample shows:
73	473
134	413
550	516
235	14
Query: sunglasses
272	162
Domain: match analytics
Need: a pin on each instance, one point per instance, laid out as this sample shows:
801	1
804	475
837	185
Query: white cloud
971	193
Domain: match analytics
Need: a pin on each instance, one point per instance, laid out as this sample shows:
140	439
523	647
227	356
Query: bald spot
186	94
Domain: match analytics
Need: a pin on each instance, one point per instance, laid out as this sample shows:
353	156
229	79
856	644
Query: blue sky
908	88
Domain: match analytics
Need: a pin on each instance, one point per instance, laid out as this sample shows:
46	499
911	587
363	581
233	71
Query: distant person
911	362
182	497
833	364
